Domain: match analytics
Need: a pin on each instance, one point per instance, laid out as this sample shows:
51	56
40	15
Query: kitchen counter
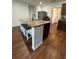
36	32
34	23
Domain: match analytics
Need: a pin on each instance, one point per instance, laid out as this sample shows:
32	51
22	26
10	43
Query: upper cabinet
63	11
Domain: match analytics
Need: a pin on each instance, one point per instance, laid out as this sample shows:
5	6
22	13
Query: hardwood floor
54	47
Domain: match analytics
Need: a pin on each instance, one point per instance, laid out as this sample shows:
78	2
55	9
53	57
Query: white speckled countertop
34	23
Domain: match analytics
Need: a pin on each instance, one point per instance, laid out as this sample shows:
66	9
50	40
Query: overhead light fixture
40	3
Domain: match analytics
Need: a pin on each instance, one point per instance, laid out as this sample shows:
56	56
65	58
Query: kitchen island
36	32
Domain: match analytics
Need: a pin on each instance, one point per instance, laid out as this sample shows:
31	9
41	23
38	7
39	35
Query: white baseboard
15	25
37	46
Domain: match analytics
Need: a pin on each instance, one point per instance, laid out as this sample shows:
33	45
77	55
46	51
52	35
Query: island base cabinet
37	36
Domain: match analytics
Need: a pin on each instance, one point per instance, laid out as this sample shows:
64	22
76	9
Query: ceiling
37	2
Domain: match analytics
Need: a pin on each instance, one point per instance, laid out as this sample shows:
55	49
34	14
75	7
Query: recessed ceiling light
40	2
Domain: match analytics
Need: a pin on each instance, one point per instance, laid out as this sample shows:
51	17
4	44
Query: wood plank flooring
54	47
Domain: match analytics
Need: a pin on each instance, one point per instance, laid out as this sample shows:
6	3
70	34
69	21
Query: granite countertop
34	23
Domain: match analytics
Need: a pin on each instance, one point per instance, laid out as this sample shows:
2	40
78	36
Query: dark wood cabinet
62	22
46	31
61	25
63	11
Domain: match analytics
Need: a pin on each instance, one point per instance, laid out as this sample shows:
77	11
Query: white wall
32	10
19	10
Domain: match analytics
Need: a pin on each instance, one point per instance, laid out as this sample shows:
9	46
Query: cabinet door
46	31
63	11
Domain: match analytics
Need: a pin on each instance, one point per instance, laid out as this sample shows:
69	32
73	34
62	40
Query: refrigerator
41	15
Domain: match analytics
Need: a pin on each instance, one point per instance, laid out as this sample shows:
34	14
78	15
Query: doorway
56	14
